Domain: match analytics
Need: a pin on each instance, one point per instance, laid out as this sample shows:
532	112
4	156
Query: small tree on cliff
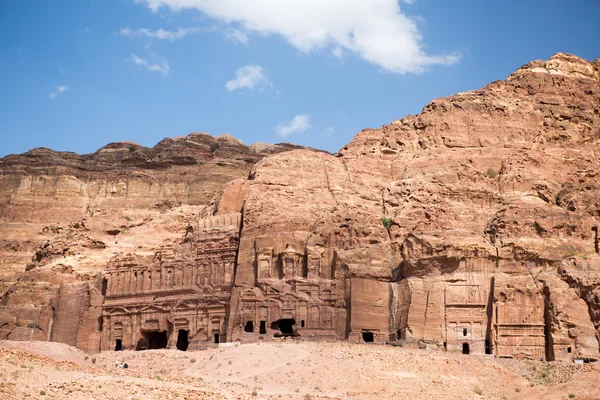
387	223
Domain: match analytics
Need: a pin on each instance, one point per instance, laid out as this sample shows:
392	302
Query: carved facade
186	297
466	318
292	296
519	324
181	298
509	322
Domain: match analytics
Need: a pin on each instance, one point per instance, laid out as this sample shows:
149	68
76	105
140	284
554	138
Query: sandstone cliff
63	216
472	226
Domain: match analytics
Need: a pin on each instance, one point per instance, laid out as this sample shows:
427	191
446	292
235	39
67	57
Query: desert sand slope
284	370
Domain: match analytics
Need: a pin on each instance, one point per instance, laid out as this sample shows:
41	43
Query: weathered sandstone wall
472	226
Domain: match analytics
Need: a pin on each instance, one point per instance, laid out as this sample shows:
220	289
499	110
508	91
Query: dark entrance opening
118	345
104	286
488	348
302	323
368	337
465	348
263	327
568	349
216	336
285	326
182	340
156	340
249	327
464	331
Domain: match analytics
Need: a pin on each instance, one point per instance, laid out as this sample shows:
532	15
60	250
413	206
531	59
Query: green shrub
478	390
214	147
42	392
32	325
387	223
571	395
93	360
491	173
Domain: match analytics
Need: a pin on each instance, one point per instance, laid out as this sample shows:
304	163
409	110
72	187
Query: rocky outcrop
64	216
472	226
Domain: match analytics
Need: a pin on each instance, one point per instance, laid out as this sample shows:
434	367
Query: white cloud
298	124
375	30
161	67
247	77
58	90
237	36
161	34
338	52
329	131
84	30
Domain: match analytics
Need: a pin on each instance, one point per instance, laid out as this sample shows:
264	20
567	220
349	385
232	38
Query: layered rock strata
472	226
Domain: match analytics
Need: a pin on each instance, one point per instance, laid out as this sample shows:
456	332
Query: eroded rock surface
472	226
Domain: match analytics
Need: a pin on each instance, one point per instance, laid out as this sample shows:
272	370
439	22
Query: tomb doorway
182	340
249	327
465	348
156	340
285	326
263	327
119	345
368	337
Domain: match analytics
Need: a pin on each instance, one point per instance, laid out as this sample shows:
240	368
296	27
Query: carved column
195	275
121	281
228	273
109	285
178	276
221	265
147	279
127	282
163	283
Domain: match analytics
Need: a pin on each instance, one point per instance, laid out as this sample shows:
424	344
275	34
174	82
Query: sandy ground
284	370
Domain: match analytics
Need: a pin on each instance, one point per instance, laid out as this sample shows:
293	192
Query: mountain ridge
490	245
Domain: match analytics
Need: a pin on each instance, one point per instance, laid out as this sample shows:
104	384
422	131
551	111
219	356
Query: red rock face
472	226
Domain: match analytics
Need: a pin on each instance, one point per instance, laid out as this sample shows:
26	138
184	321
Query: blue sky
78	74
